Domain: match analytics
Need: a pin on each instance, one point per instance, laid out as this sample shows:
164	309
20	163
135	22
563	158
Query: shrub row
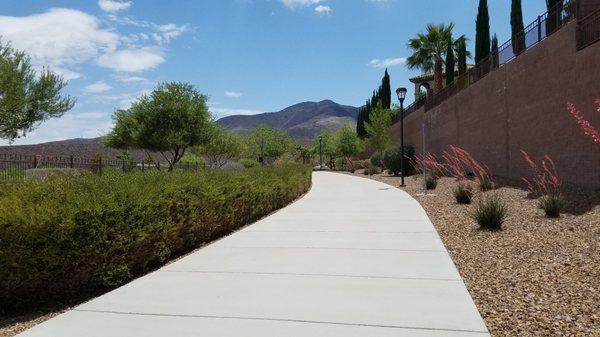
67	237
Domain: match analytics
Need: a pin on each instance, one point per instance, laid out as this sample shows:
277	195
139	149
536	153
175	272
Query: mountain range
302	121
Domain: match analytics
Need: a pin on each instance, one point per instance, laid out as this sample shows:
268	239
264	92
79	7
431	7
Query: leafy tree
384	95
482	35
429	50
450	65
386	91
326	143
222	147
27	98
379	129
171	119
348	143
517	27
266	142
495	56
462	56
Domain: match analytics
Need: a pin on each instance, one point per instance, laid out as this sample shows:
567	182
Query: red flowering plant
545	183
584	124
428	165
461	165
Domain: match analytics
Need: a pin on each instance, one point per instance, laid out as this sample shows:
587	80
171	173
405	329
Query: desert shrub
249	163
490	213
552	204
44	173
485	184
371	169
392	156
463	194
68	237
430	182
376	159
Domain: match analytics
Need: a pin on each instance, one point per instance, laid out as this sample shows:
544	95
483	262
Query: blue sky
248	56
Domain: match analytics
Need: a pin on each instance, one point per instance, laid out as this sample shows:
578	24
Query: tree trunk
438	73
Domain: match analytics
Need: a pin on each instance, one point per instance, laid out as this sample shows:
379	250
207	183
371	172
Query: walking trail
354	257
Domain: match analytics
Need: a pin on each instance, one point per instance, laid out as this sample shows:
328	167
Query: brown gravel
536	277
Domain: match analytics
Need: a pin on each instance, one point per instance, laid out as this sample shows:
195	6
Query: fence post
71	164
539	26
123	165
34	161
100	166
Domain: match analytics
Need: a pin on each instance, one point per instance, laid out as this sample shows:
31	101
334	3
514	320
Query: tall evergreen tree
553	21
482	35
462	56
450	62
495	58
517	27
386	91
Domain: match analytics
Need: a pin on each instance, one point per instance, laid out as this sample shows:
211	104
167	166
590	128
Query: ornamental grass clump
490	213
463	194
544	183
430	182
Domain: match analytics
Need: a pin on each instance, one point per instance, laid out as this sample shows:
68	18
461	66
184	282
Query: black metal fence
23	166
545	25
588	30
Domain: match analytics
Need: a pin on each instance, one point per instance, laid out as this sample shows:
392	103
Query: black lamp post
401	92
321	152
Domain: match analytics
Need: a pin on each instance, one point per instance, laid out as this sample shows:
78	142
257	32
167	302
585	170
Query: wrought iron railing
588	30
545	25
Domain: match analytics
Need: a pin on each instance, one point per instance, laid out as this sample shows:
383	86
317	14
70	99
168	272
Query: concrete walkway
353	258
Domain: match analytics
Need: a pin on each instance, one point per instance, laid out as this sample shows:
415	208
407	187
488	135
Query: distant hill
302	121
77	147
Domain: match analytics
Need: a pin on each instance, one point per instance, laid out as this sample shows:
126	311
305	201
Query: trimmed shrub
61	238
376	159
430	182
463	194
249	163
490	213
392	156
552	205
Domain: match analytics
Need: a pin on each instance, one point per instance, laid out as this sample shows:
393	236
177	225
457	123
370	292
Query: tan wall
522	105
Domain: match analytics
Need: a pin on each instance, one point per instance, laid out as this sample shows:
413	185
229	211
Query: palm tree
429	50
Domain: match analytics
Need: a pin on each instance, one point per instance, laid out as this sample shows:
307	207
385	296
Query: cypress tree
517	27
553	20
495	58
462	57
450	62
482	35
386	91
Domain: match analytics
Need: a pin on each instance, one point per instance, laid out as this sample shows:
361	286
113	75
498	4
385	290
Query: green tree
462	56
450	65
482	35
266	142
379	130
171	119
429	49
348	143
517	27
222	148
27	98
325	145
554	19
495	56
386	91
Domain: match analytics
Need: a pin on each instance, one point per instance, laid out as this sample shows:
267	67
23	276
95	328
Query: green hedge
65	237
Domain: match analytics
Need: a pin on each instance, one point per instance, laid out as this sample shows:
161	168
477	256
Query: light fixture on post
320	152
401	92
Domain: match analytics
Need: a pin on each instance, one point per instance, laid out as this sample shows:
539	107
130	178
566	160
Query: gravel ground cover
536	277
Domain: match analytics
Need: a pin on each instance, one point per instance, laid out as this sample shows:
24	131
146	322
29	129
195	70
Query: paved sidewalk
353	258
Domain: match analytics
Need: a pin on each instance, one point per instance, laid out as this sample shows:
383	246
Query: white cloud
390	62
114	6
130	79
97	88
292	4
132	59
323	9
59	38
233	94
